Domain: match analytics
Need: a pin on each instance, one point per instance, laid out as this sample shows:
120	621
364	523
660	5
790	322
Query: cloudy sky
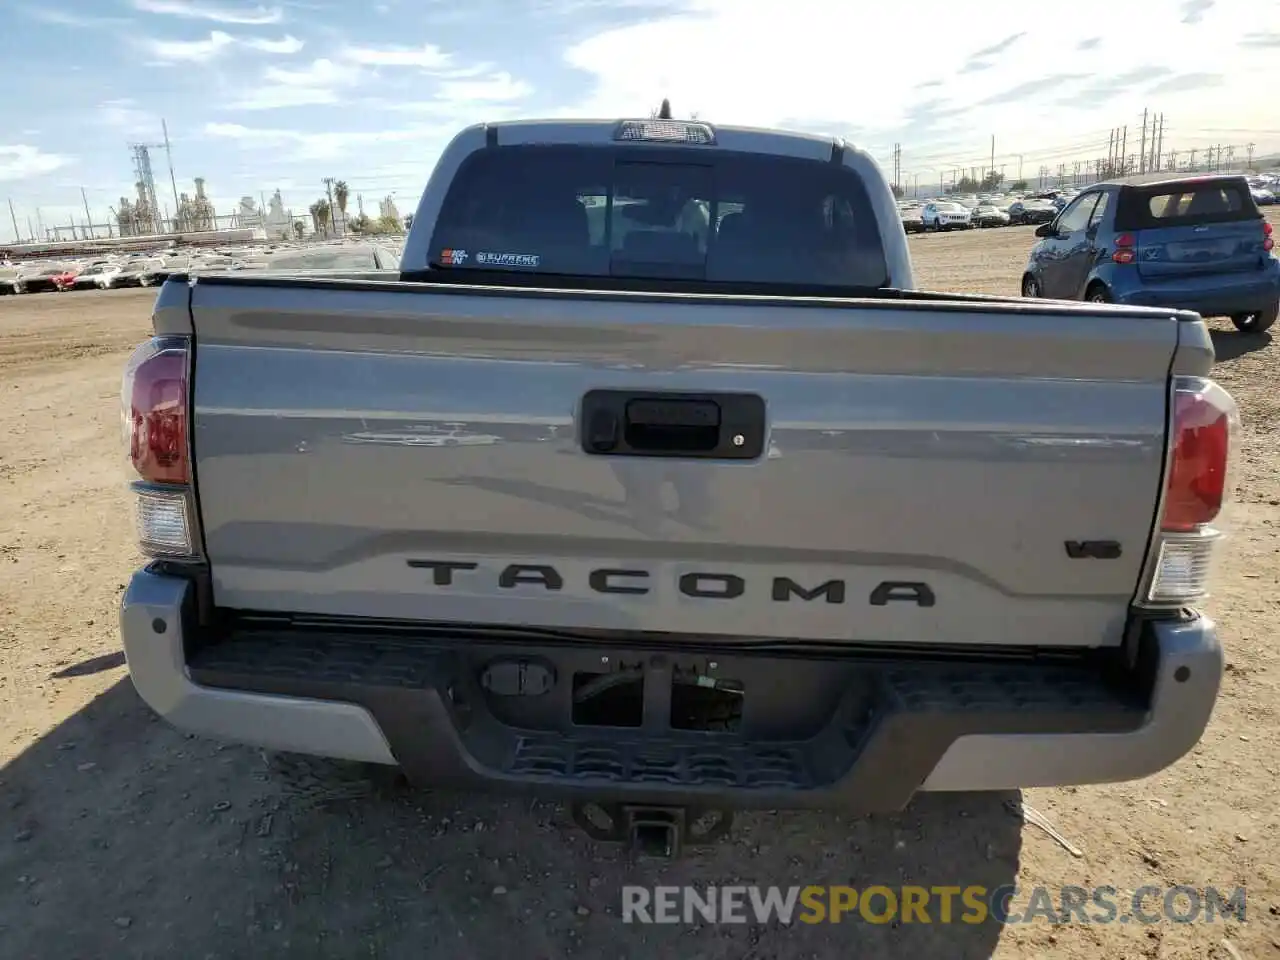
260	96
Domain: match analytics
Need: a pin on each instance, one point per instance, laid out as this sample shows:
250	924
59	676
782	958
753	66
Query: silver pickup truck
652	483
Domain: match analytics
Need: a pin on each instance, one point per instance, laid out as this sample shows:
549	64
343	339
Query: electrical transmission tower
147	206
145	180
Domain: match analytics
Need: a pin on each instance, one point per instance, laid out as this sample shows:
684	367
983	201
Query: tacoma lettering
785	587
702	585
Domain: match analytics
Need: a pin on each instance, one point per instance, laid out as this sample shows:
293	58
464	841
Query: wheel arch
1094	282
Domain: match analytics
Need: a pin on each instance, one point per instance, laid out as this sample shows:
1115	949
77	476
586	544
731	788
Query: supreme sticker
491	259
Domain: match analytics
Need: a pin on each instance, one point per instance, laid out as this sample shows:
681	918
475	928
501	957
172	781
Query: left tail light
155	415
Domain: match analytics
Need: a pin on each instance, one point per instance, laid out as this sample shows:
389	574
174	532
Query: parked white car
945	215
100	275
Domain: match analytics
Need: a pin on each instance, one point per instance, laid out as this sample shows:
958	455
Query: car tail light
1268	242
1204	424
154	408
1197	481
1124	252
162	519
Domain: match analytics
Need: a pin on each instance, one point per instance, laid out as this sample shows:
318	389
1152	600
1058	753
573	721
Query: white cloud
124	114
577	8
747	62
286	45
319	146
233	131
327	81
71	18
196	10
426	57
217	43
498	88
318	83
450	116
189	51
21	161
319	73
466	72
278	97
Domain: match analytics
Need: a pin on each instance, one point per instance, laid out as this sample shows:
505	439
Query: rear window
1185	204
325	260
660	213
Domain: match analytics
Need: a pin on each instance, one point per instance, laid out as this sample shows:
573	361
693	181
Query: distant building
248	213
279	221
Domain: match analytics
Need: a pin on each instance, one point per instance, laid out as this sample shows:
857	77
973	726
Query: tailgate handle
673	413
714	426
672	426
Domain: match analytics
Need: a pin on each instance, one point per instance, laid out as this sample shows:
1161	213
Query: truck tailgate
935	472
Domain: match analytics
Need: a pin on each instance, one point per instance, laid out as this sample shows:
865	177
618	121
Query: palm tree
340	194
321	215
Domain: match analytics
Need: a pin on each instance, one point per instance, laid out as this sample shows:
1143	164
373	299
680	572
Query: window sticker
491	259
453	258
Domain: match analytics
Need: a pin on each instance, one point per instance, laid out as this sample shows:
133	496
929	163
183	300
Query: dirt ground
120	836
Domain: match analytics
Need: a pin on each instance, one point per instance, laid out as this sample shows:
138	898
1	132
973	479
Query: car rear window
1184	204
660	213
325	260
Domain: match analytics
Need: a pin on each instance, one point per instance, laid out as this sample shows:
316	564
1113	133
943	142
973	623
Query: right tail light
1204	429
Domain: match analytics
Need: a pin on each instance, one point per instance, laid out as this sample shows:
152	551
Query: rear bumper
860	734
1220	296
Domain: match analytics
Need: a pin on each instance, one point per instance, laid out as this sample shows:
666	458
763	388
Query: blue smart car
1197	243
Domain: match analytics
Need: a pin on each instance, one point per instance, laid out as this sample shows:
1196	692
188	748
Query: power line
1090	154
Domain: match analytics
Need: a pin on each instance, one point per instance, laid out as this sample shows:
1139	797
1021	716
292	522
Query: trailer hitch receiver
655	831
652	831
